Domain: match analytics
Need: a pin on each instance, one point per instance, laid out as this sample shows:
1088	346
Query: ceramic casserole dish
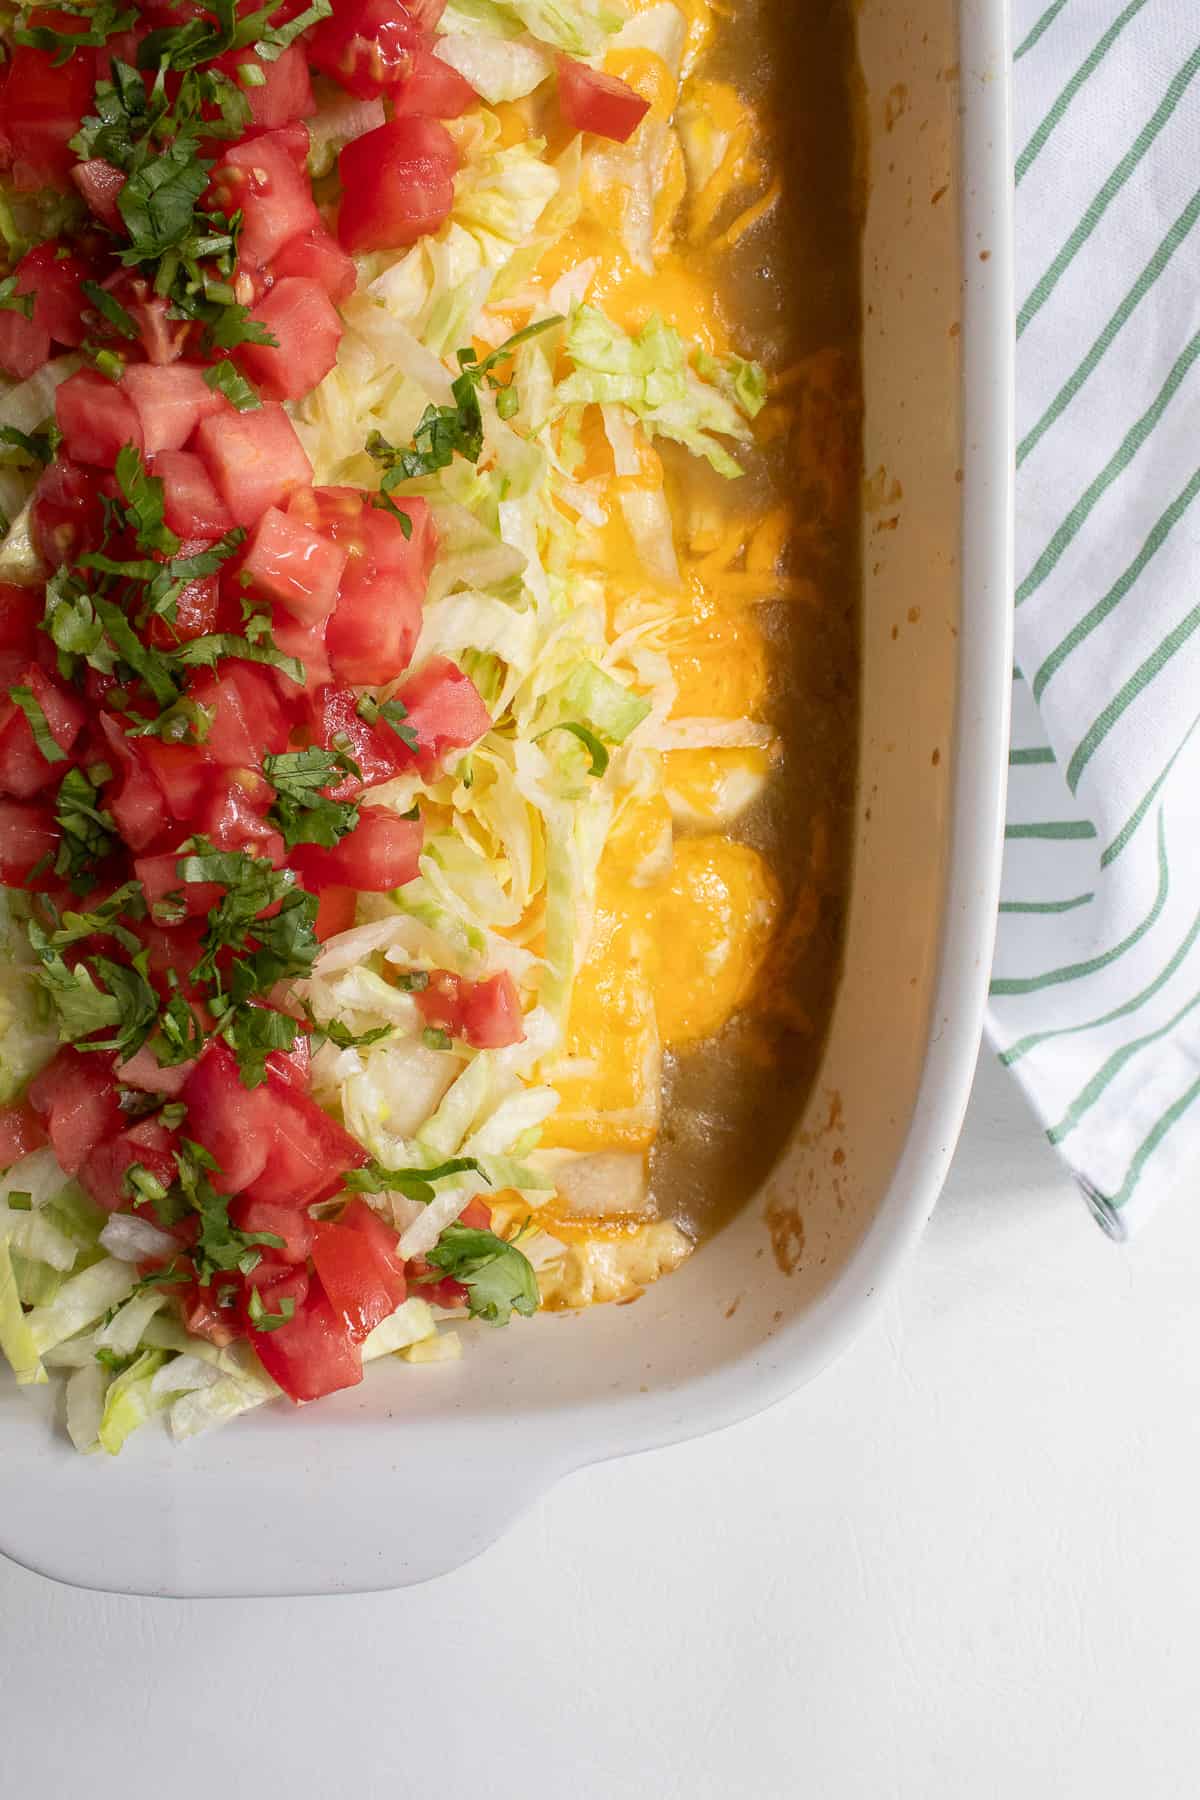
421	1475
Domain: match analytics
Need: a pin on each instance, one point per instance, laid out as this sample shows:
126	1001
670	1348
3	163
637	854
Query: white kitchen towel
1095	1002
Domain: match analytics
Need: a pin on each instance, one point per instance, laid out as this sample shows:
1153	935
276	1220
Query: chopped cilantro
89	833
43	737
302	812
12	301
225	378
588	739
414	1184
498	1277
388	712
38	446
262	1320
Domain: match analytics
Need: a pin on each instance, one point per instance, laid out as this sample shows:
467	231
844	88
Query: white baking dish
413	1473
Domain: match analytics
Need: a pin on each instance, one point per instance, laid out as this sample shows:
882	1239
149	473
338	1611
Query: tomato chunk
336	909
304	322
24	344
593	101
312	1354
287	92
377	750
137	805
24	770
21	1132
308	1151
248	718
41	109
170	402
184	774
444	710
227	1119
255	459
67	518
105	1173
382	852
291	1223
97	418
397	184
433	90
192	506
53	275
28	835
76	1096
168	896
486	1013
260	177
233	814
100	184
377	621
366	46
361	1271
294	565
318	257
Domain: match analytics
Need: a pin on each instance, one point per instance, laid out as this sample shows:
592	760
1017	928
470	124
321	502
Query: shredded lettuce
80	1302
649	374
569	25
498	68
17	1339
130	1401
87	1388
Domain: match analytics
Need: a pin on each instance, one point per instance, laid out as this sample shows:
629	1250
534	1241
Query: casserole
421	1476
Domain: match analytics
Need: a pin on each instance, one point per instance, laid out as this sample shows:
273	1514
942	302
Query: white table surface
963	1565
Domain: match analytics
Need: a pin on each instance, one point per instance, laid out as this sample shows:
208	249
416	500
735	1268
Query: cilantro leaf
220	1245
110	309
225	378
145	499
302	812
39	446
99	22
498	1277
12	301
588	739
43	737
262	1320
89	833
414	1184
253	1033
388	712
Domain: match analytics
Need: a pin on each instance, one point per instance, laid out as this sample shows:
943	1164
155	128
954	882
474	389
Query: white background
963	1565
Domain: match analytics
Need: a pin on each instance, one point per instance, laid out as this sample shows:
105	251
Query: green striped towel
1095	1000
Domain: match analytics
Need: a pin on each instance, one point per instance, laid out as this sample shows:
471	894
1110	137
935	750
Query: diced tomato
340	512
28	835
290	563
376	749
192	506
100	184
97	418
41	109
336	908
486	1013
21	642
377	621
227	1119
476	1214
197	612
76	1095
248	718
144	1072
291	1223
308	1152
426	13
234	815
307	644
287	92
382	852
168	896
172	951
304	322
21	1132
24	771
397	184
360	1268
433	90
313	1353
24	344
162	338
318	257
259	177
105	1170
366	46
137	805
205	1316
444	710
255	458
294	1066
293	137
67	517
184	773
53	275
169	401
593	101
